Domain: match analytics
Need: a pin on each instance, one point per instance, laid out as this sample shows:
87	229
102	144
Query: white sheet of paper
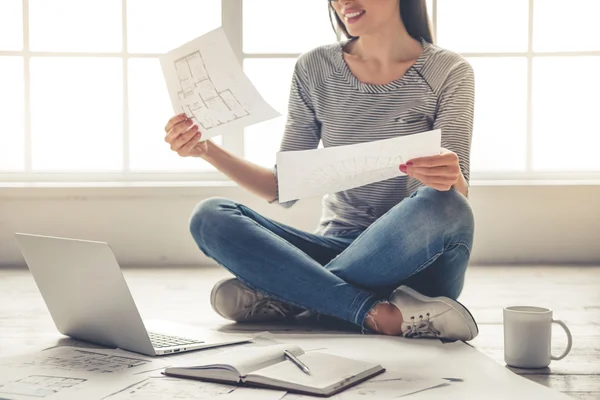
26	383
389	385
68	372
166	388
470	373
23	383
67	358
206	81
309	173
73	373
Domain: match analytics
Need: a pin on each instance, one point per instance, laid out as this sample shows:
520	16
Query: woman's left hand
440	172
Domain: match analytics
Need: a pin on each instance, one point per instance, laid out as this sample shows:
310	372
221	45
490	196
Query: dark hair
413	13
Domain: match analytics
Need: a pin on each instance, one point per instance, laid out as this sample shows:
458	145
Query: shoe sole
239	285
463	311
213	294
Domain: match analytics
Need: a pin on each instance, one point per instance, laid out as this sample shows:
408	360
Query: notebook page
326	371
243	360
264	357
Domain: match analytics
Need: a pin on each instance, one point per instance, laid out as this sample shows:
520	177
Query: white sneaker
435	317
235	301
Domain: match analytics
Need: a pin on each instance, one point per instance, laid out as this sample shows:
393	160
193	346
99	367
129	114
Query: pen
296	361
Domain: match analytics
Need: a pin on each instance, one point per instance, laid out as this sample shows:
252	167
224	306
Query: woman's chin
355	32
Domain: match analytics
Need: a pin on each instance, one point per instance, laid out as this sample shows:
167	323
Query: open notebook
267	367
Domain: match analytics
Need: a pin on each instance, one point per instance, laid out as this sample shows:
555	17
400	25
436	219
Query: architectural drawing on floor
38	386
199	96
81	360
356	170
170	388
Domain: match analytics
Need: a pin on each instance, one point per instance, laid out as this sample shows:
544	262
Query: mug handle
569	343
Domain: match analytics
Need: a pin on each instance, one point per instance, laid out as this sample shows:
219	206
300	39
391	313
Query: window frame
232	23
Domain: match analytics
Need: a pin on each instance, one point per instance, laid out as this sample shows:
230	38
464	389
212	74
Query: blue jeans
423	242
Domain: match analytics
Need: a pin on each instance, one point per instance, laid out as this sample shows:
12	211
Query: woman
389	257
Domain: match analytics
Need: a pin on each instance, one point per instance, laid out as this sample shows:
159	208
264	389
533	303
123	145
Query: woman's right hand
184	137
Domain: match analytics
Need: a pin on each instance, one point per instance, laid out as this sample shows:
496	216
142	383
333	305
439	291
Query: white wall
147	226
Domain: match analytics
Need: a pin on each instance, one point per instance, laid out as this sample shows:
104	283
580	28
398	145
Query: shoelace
266	303
420	328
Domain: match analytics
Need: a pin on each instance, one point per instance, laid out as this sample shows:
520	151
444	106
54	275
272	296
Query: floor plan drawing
37	386
354	171
200	98
169	388
77	360
206	80
337	168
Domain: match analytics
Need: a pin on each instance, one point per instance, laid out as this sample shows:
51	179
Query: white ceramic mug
528	337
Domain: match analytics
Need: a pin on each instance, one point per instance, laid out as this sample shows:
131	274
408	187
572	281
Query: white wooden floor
182	295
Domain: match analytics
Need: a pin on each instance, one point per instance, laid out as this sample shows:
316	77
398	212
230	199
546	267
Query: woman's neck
387	46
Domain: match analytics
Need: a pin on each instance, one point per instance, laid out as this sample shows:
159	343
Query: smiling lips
352	16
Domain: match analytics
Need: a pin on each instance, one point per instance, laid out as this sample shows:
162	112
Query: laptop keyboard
161	341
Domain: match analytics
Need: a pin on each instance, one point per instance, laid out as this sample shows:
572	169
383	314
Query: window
82	95
535	84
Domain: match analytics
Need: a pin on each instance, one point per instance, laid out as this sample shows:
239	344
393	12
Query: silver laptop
88	298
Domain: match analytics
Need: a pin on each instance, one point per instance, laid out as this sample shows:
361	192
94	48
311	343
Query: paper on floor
26	383
206	81
70	373
317	172
472	375
67	358
163	388
389	385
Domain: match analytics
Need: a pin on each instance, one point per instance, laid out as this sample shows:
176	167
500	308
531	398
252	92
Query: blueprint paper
166	388
206	81
70	373
28	383
24	384
317	172
99	361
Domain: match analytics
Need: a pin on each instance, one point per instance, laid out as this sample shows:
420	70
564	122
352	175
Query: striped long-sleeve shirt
328	103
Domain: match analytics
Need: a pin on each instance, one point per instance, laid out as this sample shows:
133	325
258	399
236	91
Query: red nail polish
410	164
403	168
